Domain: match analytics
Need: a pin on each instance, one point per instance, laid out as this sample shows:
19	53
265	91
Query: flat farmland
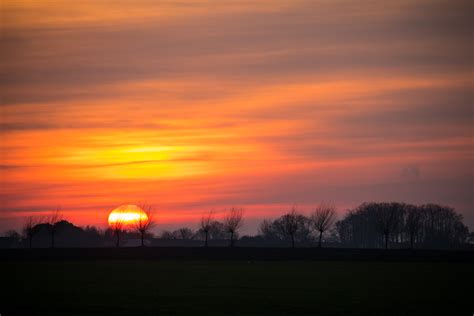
226	287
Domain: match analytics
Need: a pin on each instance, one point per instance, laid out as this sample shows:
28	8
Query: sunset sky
198	105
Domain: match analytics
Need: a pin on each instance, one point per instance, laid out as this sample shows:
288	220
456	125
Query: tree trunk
293	241
412	239
205	241
320	237
31	241
143	237
386	241
118	239
52	238
231	239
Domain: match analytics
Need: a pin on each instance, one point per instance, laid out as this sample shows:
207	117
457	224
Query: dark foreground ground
236	254
229	287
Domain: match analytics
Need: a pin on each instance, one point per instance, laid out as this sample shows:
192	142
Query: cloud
411	172
256	45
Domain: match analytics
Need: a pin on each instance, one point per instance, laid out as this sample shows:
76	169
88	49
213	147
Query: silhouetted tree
166	235
183	233
442	226
145	222
206	226
290	224
267	230
11	233
93	236
13	236
29	228
323	219
54	218
470	238
386	218
233	221
215	231
413	222
117	228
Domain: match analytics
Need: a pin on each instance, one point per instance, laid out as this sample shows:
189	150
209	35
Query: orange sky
199	105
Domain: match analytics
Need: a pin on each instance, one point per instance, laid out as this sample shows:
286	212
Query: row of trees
297	227
380	224
209	227
374	225
233	221
370	225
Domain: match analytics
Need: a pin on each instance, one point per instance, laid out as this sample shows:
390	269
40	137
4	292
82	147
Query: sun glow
127	215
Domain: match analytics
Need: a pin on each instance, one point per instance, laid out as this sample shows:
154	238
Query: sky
193	106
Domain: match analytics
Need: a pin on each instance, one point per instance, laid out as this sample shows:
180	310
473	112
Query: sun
127	215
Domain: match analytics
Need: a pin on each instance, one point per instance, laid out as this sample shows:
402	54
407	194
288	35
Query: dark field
167	287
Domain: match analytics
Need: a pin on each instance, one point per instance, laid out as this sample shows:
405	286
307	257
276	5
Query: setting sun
127	215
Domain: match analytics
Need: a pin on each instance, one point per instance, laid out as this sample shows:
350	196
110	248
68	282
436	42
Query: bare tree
54	218
11	233
217	230
291	224
117	227
145	222
413	222
206	225
29	228
386	215
233	221
184	233
267	230
166	235
323	218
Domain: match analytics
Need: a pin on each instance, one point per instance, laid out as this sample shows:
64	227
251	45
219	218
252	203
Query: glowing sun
127	215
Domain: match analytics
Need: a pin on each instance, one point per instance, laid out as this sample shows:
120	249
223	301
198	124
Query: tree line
370	225
375	225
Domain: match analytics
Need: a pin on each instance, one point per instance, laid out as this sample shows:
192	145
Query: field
227	287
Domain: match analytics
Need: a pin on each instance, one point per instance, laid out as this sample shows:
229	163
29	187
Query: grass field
236	288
